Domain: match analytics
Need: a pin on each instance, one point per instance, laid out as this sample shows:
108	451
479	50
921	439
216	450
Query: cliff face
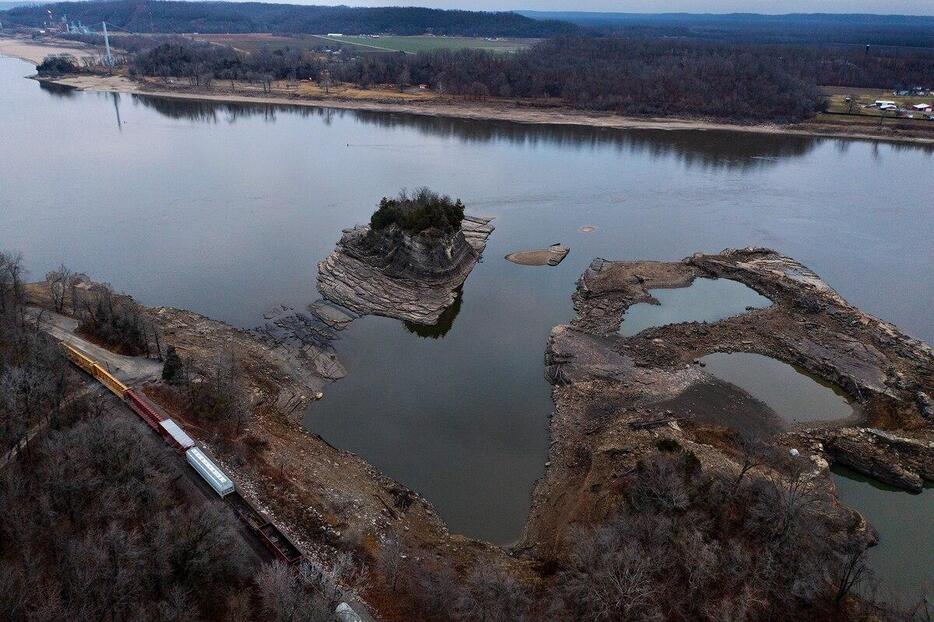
425	256
401	275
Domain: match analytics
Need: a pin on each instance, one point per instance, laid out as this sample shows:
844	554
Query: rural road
131	370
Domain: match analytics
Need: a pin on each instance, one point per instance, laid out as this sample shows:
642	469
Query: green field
425	43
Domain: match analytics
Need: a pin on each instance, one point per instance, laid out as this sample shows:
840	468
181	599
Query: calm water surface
705	300
226	210
903	562
795	396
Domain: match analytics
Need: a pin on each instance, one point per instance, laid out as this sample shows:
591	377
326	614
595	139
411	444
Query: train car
271	536
103	376
206	468
142	408
175	435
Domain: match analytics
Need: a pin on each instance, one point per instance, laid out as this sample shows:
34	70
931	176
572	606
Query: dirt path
129	369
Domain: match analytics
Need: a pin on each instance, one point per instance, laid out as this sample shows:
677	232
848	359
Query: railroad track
270	535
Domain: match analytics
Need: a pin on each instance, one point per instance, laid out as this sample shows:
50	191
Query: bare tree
59	282
391	557
11	280
324	80
286	599
851	572
492	595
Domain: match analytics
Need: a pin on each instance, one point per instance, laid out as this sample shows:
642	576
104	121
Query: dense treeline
806	28
119	323
98	522
693	545
229	17
33	376
640	76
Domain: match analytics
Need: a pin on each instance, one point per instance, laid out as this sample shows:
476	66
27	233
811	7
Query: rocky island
409	261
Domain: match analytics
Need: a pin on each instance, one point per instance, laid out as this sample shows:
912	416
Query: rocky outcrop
285	373
551	256
396	274
892	458
616	397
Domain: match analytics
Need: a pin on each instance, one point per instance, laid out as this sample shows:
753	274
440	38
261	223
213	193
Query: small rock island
409	261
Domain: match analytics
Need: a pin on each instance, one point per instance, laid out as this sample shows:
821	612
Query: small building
879	103
922	107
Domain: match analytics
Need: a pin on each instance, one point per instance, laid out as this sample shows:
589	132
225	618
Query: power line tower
108	59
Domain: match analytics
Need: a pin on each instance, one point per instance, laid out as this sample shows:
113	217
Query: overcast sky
906	7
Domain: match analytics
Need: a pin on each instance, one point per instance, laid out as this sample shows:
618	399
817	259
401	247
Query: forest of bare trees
631	75
98	522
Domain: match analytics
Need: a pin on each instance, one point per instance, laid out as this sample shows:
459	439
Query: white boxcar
178	435
216	478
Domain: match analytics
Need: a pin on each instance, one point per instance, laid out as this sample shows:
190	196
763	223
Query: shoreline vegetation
426	103
751	518
497	111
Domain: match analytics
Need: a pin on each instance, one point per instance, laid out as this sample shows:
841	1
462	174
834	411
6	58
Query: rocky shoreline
617	400
616	396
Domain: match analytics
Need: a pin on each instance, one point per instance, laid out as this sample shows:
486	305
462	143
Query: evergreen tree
173	370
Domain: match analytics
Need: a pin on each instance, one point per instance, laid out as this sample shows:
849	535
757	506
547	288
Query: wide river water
227	210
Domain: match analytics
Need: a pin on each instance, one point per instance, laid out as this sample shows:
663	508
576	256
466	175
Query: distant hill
240	17
9	5
820	28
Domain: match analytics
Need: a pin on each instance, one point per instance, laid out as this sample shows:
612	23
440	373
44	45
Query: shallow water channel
227	209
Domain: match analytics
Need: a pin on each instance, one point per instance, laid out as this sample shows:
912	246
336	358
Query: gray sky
906	7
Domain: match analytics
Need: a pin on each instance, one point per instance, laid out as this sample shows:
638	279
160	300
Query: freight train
195	456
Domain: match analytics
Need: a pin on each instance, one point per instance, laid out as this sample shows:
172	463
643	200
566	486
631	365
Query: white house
879	103
922	107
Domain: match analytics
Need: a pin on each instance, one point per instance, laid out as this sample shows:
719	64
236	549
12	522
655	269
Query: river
226	210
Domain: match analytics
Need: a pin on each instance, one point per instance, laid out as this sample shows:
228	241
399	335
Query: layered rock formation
411	277
616	397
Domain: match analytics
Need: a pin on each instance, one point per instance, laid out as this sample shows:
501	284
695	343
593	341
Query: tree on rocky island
422	211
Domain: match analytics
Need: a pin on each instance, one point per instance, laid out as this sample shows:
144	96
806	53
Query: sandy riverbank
494	111
35	52
515	112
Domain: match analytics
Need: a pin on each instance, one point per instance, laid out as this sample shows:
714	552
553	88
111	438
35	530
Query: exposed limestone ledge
411	278
893	458
616	396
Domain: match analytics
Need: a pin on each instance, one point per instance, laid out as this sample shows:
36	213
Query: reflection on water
227	218
445	321
903	562
794	395
706	149
705	300
213	112
57	90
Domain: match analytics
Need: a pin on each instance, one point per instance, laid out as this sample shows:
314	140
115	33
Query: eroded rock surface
551	256
288	371
616	397
395	274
